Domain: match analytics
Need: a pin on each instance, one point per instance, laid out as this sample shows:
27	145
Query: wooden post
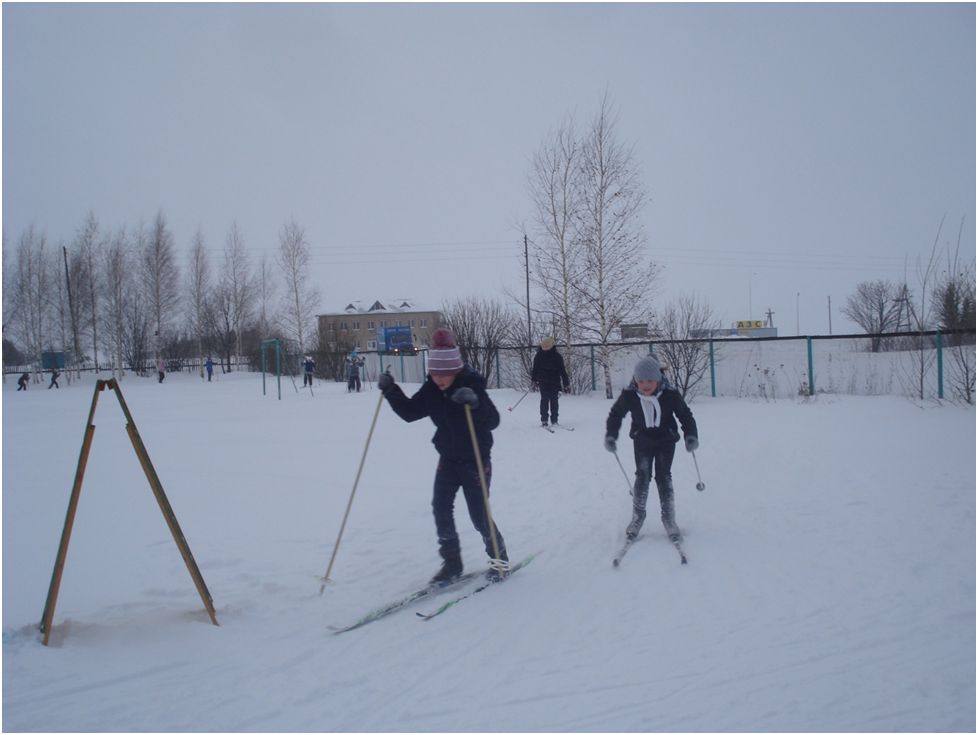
59	563
155	485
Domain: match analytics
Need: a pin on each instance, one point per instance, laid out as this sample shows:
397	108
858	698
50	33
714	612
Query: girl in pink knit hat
452	385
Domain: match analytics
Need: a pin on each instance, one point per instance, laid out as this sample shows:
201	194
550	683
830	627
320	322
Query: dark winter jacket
452	438
548	368
672	406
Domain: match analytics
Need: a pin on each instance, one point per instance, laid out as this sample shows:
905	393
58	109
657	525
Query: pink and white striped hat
444	357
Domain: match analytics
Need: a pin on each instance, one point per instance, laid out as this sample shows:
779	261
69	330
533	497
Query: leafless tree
922	356
953	301
31	283
617	281
481	327
266	297
238	284
301	297
161	278
558	250
117	291
86	254
876	308
688	358
198	293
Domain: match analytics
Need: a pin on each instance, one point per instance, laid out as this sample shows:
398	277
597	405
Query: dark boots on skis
451	567
666	501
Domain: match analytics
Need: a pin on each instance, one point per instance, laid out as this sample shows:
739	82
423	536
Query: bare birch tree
238	284
558	253
86	248
617	279
31	285
301	297
198	293
161	278
266	298
117	288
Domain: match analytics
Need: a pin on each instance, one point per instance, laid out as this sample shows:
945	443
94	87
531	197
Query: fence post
811	368
713	373
940	365
499	371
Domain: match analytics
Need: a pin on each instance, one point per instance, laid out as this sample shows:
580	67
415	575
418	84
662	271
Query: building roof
386	306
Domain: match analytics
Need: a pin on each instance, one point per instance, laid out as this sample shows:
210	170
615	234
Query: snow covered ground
830	585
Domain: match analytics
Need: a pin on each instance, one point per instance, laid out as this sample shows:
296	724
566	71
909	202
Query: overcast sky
789	151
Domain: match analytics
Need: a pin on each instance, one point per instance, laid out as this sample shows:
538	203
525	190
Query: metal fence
927	365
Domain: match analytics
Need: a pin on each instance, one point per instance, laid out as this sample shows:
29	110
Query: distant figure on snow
160	368
209	366
353	364
550	374
22	381
54	379
309	366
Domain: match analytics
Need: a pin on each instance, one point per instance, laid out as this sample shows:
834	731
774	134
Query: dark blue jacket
452	438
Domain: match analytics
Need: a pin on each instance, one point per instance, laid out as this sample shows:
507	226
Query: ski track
824	591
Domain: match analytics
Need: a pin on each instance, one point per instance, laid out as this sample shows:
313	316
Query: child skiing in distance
449	388
22	381
654	408
550	374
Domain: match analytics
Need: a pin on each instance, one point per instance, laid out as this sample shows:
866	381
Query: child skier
22	381
654	408
450	386
550	374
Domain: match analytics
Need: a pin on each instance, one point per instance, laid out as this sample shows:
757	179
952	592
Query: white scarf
651	409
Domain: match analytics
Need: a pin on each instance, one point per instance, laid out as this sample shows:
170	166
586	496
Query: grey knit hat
648	369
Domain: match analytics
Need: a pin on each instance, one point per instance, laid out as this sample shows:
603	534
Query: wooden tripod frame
154	483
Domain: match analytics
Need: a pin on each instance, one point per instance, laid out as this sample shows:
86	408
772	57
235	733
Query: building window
356	325
424	323
370	325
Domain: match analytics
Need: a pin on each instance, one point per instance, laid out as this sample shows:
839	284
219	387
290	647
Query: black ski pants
549	393
657	459
450	475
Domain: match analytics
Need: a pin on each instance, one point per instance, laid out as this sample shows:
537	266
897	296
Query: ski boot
668	510
451	567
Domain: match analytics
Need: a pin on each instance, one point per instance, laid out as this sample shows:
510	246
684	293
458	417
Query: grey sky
789	151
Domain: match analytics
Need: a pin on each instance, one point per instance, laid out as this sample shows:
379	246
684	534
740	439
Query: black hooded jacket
452	438
672	405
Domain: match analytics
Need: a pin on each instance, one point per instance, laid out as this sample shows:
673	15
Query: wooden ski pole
482	481
349	503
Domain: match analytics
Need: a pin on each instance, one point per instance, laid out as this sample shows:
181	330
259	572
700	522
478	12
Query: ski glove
610	443
692	443
385	382
467	396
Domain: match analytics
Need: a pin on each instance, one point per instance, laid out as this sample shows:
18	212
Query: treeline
119	299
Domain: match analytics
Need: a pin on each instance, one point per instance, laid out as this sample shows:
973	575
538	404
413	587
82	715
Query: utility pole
529	323
797	314
71	310
830	315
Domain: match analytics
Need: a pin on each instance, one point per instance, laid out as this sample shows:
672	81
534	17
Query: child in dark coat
22	381
550	374
654	408
448	389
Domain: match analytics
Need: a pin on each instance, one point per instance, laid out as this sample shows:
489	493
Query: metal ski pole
624	474
349	503
700	485
485	489
520	400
